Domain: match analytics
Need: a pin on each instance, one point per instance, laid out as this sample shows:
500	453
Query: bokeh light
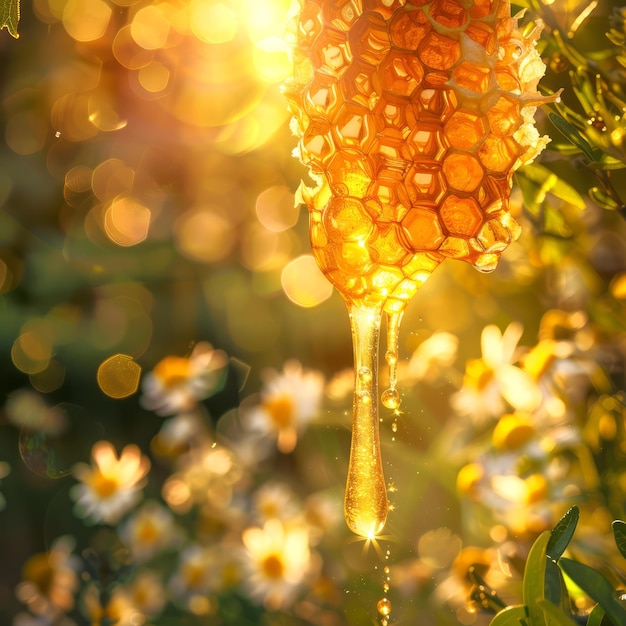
118	376
303	282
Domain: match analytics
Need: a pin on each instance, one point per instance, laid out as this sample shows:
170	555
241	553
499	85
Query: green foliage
10	16
545	595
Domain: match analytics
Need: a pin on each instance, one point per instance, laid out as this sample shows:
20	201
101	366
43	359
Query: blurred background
147	205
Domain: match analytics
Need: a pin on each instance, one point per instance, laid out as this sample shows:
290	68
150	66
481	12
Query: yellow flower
109	487
278	560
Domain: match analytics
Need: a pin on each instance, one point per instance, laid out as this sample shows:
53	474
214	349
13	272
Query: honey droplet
390	399
384	607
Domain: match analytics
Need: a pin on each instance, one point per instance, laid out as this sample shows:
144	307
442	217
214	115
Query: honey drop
384	607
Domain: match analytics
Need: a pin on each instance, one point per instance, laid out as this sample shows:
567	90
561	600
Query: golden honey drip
365	504
412	116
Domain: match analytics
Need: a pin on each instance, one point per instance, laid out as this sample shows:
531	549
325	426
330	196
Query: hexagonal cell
481	8
481	33
422	264
455	248
349	173
346	219
427	140
330	52
462	171
408	28
400	73
448	13
386	8
438	51
439	103
504	116
309	23
342	14
422	229
360	83
354	126
369	39
354	257
494	236
464	129
474	77
394	203
498	153
384	279
394	114
321	96
316	144
461	216
507	81
425	184
387	245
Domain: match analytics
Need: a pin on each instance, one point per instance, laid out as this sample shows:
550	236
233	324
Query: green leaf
607	163
597	587
603	200
511	616
619	532
551	183
10	16
553	616
556	590
562	533
574	136
534	578
596	616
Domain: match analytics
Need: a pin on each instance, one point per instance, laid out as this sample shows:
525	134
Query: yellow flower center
103	486
194	575
512	432
39	571
536	488
273	567
280	411
539	359
172	370
148	532
478	374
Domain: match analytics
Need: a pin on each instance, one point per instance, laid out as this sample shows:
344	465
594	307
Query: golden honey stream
412	116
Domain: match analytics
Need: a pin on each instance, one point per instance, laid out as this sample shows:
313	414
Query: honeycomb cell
498	153
494	236
438	51
481	8
474	77
504	116
309	24
346	219
427	141
355	258
330	52
507	81
385	278
438	103
425	184
342	14
400	74
483	34
407	29
316	145
321	96
387	245
394	202
461	216
422	229
369	38
349	173
354	127
455	248
448	13
464	129
386	8
360	84
462	171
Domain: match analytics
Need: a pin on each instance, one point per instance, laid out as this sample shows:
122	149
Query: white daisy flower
278	561
150	530
289	400
275	500
109	487
177	384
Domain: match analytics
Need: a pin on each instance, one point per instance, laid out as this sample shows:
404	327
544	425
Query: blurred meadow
176	373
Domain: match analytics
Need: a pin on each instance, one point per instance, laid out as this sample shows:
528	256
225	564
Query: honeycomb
412	116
